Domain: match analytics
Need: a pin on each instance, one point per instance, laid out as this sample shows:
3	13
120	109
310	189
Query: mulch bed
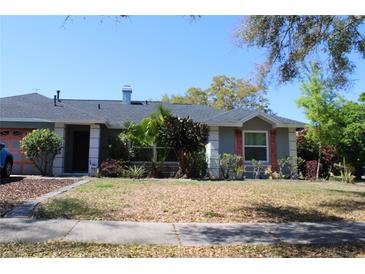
16	190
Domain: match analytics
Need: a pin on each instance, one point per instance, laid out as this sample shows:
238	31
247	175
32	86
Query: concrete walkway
186	234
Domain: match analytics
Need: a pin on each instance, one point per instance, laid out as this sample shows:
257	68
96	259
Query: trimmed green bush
231	166
42	146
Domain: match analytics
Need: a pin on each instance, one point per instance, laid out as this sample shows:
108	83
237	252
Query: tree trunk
183	165
319	161
154	171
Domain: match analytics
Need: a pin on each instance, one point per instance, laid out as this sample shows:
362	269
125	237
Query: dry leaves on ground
15	190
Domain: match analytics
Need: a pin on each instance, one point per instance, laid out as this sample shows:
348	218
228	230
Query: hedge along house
88	127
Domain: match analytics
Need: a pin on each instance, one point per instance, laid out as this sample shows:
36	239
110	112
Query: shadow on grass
66	208
360	194
271	213
345	205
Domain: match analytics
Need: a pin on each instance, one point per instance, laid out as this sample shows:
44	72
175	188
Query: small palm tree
145	133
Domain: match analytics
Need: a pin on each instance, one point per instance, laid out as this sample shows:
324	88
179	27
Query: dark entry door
80	153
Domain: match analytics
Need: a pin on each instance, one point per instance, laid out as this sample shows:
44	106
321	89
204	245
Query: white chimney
127	94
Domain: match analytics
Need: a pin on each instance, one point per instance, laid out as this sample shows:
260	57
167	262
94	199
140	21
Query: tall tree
352	142
321	108
292	41
226	93
194	96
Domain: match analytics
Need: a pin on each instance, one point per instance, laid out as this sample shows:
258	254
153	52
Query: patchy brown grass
79	250
16	190
194	201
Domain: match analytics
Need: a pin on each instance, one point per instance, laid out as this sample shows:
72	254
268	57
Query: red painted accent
273	150
238	143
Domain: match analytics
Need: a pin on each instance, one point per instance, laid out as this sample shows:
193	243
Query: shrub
282	164
258	168
186	137
112	168
308	150
273	175
290	166
311	168
300	165
231	166
136	172
42	146
198	165
346	172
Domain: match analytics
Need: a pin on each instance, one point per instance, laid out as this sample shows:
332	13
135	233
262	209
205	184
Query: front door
80	153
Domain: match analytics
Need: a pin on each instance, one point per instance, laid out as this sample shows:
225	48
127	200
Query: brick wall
273	150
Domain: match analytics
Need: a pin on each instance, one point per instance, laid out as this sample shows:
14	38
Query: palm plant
145	133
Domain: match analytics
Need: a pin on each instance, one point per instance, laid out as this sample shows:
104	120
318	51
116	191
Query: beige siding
212	152
58	162
94	148
256	124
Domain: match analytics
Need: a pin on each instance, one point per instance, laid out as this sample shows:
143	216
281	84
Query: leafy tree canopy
352	142
321	106
292	41
334	121
225	93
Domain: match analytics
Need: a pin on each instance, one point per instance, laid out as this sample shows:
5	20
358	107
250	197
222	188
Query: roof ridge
26	94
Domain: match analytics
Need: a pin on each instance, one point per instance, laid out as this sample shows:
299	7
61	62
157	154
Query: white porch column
292	142
212	152
292	146
58	162
94	148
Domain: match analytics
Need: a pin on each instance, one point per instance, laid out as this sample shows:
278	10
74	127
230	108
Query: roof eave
30	120
298	125
80	122
277	125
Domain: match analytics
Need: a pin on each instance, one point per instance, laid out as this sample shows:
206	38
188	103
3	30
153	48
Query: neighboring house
88	126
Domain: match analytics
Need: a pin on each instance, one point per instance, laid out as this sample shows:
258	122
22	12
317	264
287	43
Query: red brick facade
273	150
238	144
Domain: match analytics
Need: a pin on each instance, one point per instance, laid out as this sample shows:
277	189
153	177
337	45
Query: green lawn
67	249
206	201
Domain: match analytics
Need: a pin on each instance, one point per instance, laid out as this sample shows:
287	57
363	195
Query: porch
80	152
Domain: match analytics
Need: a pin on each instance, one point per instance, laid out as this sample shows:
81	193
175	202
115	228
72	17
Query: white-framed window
255	145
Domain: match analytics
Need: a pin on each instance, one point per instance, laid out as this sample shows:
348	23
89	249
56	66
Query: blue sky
156	55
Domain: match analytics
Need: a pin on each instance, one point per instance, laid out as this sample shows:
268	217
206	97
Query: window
256	146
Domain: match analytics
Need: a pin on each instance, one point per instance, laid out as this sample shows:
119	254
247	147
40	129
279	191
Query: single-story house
88	126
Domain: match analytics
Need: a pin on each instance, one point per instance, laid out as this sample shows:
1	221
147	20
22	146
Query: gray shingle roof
37	106
114	113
